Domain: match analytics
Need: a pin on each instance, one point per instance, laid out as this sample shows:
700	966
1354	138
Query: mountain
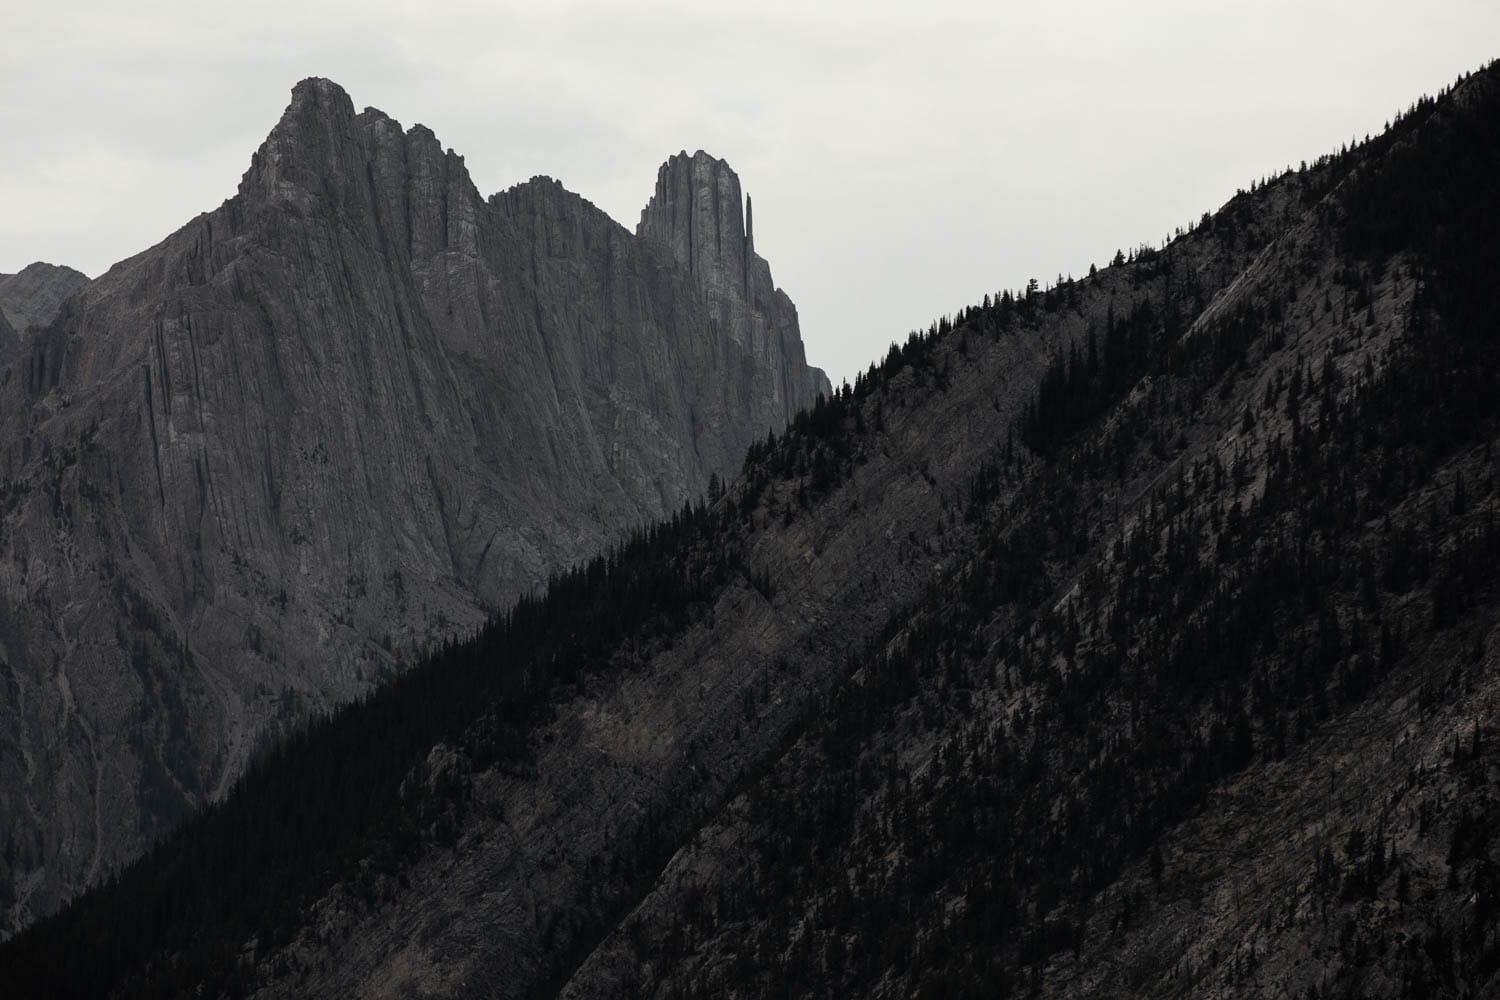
350	413
1130	637
31	298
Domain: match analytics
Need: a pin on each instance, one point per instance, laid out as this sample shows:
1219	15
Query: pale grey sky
905	158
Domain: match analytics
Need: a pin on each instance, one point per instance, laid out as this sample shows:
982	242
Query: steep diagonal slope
355	409
1208	709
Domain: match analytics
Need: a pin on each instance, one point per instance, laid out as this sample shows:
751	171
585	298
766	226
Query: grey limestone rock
695	214
355	409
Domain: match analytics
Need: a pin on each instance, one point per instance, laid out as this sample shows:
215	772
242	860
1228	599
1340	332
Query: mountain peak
699	157
697	212
33	296
312	138
318	93
700	216
317	105
40	268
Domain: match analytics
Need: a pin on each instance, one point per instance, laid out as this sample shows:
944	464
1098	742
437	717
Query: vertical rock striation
10	341
696	216
252	470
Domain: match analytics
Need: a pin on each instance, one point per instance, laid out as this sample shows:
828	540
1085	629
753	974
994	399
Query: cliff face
696	215
352	411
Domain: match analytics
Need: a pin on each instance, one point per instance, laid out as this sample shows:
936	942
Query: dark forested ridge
1135	636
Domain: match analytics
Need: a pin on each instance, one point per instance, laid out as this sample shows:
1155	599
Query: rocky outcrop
352	411
695	214
33	296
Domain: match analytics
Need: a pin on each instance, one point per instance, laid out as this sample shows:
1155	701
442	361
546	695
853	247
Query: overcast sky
905	158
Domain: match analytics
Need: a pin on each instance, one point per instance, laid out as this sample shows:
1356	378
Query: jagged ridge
353	411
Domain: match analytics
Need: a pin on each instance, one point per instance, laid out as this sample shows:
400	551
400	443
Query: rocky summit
696	214
350	413
32	298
